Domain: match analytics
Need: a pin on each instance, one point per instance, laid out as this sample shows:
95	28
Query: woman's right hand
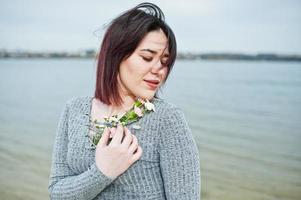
116	157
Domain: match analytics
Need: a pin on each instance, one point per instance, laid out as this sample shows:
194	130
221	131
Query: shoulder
168	110
173	123
78	101
162	104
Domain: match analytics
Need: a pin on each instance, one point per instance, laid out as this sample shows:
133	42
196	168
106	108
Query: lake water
245	118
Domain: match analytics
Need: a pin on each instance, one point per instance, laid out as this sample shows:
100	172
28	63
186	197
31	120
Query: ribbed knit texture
168	169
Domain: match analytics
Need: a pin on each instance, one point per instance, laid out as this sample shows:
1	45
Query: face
141	74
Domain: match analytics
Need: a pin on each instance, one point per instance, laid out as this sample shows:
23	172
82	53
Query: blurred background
237	79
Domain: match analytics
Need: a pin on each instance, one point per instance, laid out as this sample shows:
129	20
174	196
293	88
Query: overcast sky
247	26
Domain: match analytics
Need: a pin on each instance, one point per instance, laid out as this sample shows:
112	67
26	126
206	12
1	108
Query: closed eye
163	61
147	59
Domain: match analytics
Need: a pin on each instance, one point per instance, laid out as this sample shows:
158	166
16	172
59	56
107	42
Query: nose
157	67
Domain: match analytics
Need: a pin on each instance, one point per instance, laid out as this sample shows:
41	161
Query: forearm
84	186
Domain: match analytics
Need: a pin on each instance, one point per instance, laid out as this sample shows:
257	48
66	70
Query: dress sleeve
179	158
63	183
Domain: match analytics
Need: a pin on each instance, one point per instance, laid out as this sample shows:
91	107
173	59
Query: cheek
127	68
132	72
136	68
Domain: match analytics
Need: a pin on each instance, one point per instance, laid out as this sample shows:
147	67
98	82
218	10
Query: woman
158	160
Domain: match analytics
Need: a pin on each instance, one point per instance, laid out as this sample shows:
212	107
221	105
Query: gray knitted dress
169	167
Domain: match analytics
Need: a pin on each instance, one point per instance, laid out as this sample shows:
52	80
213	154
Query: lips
152	84
153	81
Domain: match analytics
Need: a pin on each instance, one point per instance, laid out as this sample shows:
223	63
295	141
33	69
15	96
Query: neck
128	102
127	99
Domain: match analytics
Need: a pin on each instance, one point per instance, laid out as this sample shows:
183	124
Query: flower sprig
138	110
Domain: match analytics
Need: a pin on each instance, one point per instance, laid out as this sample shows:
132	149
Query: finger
113	131
118	135
104	138
138	154
134	144
127	138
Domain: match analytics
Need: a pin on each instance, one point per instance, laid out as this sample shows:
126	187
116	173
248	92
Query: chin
146	94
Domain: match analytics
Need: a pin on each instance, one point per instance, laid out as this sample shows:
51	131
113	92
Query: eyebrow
154	52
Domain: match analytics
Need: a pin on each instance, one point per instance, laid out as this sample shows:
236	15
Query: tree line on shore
5	54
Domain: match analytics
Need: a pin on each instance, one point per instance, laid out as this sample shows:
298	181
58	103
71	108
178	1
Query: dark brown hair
121	39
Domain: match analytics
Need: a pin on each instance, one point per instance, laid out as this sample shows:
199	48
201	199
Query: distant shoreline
5	54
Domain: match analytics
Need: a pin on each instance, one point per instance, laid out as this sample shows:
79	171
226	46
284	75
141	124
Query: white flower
141	100
99	125
91	134
149	106
113	119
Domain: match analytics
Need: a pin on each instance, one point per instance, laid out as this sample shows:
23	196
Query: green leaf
138	103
